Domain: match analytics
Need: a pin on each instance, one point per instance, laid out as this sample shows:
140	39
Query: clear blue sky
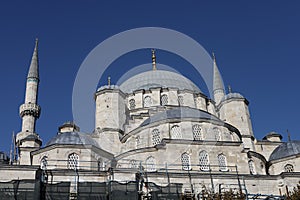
257	45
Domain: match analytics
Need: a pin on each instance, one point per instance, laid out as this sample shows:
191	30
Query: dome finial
108	81
229	89
214	57
153	60
289	135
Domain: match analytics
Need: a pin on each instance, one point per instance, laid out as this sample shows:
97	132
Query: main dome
158	78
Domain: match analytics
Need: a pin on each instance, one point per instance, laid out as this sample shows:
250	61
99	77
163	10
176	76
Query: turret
234	110
28	140
110	116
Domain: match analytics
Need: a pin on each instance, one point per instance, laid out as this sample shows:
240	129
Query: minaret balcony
30	109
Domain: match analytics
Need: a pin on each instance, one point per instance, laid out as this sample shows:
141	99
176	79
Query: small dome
233	96
285	150
73	138
158	78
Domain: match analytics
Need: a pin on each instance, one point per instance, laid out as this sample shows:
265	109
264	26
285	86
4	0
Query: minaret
218	86
28	140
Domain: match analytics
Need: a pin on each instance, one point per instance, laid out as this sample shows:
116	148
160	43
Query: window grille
176	132
180	100
185	161
131	104
164	100
251	167
73	161
147	101
134	164
150	164
222	162
203	160
44	163
197	132
289	168
217	134
155	136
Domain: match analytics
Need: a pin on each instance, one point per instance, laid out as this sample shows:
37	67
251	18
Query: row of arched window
147	102
186	162
175	133
203	161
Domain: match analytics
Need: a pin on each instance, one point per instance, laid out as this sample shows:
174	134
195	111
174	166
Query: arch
222	160
197	132
186	161
73	161
251	167
132	104
288	168
176	132
150	164
44	163
164	100
147	101
156	137
204	161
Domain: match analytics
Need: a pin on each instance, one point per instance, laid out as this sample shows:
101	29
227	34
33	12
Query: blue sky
256	43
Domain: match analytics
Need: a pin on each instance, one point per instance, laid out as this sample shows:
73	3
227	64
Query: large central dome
158	78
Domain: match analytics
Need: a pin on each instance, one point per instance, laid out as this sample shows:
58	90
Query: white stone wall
278	166
110	110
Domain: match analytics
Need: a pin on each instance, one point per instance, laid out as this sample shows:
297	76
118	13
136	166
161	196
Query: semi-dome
285	150
73	138
158	78
180	113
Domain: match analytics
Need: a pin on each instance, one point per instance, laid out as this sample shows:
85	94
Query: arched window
180	100
251	167
217	134
44	163
147	101
100	164
222	162
155	136
176	132
197	132
138	141
289	168
150	164
73	161
164	100
131	104
203	161
185	161
134	164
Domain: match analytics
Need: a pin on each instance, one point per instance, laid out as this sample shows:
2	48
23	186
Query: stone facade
170	131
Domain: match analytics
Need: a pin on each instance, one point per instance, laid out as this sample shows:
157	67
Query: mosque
156	129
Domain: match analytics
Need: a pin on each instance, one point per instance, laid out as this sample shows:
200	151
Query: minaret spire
153	60
218	86
29	112
34	65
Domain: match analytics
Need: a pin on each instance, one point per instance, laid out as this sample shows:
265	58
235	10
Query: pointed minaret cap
34	65
217	82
